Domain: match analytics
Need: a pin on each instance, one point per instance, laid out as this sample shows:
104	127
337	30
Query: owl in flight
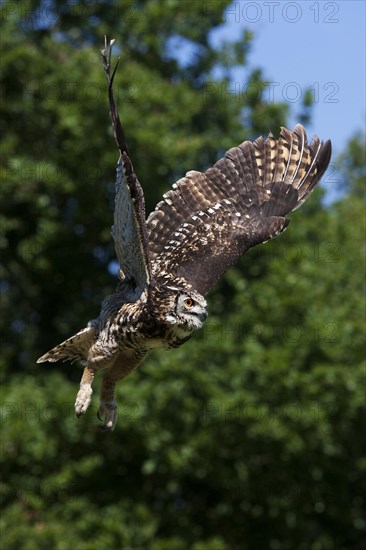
169	261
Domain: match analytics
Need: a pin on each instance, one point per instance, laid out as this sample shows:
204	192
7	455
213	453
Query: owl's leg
84	395
108	406
107	411
125	363
99	358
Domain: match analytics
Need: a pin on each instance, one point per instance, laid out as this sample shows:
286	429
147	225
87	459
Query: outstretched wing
74	348
208	220
129	228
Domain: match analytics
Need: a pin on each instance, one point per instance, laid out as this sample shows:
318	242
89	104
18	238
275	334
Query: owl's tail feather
289	168
72	349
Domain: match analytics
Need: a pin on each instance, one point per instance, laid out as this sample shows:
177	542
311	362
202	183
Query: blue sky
307	43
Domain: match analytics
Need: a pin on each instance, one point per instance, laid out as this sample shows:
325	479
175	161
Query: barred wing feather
208	220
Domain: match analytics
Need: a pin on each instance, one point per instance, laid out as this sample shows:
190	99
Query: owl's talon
105	428
108	412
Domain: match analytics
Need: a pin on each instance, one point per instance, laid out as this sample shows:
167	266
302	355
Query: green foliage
352	164
250	435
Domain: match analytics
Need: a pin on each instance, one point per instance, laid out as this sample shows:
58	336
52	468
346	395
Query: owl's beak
203	316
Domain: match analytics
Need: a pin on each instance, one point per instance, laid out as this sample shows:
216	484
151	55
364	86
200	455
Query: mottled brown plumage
195	234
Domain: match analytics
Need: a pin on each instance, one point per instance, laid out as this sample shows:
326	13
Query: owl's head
189	310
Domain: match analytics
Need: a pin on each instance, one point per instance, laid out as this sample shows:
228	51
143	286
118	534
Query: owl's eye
188	302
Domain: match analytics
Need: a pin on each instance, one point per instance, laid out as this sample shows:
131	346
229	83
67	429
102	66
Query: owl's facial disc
191	309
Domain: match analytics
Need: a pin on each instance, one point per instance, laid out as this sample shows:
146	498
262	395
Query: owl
169	261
